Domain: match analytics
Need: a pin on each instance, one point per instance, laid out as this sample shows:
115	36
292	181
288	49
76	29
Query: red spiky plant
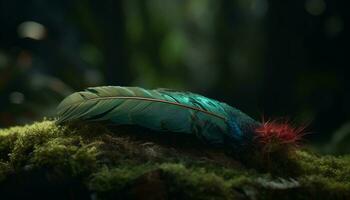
278	135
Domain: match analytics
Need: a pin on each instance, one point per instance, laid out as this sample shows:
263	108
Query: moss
337	168
199	183
68	154
115	179
93	162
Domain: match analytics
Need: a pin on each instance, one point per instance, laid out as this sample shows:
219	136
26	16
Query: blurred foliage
340	141
265	57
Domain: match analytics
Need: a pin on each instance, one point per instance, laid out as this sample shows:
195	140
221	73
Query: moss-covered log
44	160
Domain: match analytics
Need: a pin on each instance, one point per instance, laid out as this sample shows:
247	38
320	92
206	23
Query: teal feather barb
161	110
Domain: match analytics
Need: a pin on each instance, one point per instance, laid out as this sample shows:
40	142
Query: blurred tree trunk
115	69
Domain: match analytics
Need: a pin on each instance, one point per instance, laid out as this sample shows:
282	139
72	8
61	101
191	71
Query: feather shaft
150	99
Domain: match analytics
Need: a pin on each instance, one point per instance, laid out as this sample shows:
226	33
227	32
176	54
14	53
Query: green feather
160	110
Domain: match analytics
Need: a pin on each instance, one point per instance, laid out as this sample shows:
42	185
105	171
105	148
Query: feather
161	110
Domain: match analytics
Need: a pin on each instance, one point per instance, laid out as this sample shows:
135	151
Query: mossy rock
45	160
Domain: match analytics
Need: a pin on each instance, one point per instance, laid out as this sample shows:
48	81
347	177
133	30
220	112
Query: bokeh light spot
91	54
315	7
259	7
3	60
334	26
16	97
32	30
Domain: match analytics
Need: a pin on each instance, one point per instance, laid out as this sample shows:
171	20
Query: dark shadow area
42	184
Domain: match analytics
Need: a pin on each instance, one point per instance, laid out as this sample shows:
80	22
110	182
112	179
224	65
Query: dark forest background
266	57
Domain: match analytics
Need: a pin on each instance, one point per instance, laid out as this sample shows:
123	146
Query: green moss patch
91	161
